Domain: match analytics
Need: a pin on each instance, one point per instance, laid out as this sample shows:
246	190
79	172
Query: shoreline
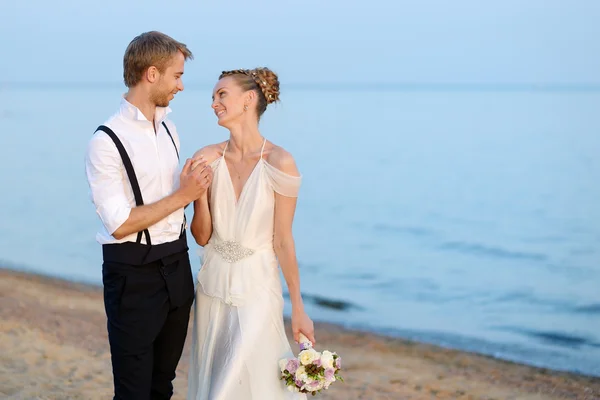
54	331
322	302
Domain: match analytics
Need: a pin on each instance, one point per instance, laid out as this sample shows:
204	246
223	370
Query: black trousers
147	301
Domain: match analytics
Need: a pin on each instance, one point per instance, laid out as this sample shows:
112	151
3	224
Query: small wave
405	285
555	338
366	276
406	230
329	303
560	339
557	305
544	239
587	309
478	249
583	251
359	278
525	297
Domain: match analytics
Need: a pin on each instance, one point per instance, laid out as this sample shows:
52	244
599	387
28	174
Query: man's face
169	82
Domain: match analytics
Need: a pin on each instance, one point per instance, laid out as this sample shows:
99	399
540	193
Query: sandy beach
54	346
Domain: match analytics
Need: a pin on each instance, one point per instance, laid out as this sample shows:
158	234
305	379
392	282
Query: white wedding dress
238	335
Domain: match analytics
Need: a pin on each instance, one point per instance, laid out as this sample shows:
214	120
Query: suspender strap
137	193
176	151
174	145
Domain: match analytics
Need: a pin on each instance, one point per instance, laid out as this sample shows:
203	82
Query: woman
244	223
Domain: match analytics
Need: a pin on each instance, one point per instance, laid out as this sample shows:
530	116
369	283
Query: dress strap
263	148
225	149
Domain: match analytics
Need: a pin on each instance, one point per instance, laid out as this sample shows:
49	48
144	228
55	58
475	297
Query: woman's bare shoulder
282	159
211	152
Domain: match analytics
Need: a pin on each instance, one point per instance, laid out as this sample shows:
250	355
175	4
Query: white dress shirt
155	164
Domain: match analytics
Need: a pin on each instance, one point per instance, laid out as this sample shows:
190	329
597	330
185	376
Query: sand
53	345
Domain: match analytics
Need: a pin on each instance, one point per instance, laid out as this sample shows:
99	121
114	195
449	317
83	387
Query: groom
132	164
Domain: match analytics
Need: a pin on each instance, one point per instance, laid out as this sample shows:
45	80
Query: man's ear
152	74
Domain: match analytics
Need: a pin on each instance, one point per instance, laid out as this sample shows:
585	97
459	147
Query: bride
244	223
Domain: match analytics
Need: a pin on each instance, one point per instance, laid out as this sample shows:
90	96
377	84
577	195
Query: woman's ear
251	95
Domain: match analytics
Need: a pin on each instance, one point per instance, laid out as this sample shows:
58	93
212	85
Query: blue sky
312	41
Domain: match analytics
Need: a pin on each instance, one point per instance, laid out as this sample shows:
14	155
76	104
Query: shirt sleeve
106	178
282	183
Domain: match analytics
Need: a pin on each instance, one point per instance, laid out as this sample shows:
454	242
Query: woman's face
228	101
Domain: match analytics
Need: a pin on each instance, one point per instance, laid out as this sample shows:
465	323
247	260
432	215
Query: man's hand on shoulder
207	154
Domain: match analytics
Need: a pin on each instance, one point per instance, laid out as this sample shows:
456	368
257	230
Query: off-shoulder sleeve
282	183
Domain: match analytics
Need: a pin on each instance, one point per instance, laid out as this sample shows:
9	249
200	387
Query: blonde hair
150	49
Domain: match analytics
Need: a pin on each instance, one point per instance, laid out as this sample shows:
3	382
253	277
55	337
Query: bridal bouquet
311	371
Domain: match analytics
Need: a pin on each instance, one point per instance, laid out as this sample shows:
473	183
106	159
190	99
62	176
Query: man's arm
142	217
108	186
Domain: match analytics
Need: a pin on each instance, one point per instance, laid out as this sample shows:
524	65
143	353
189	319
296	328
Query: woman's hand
301	323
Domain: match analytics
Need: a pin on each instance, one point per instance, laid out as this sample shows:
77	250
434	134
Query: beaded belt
232	251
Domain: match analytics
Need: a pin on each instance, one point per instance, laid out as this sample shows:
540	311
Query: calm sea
463	216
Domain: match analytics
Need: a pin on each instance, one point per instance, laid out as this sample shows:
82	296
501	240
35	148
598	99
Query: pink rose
292	365
330	374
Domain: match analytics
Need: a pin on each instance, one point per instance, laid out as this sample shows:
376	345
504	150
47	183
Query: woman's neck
244	140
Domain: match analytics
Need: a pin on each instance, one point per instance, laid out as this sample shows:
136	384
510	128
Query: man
132	164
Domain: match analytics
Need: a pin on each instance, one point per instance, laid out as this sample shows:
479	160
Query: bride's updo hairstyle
262	80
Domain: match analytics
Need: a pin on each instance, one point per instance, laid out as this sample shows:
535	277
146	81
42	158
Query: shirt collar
130	111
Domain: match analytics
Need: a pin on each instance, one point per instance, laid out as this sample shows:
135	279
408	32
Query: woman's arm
201	226
283	243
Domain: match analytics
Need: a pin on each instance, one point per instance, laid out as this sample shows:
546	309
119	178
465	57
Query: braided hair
262	80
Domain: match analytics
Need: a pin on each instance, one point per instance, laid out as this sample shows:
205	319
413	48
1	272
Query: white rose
282	364
308	356
301	374
327	359
306	379
321	385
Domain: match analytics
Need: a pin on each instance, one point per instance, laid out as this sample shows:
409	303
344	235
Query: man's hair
147	50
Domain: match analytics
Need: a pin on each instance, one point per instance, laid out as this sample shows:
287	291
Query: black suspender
137	193
174	145
176	151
